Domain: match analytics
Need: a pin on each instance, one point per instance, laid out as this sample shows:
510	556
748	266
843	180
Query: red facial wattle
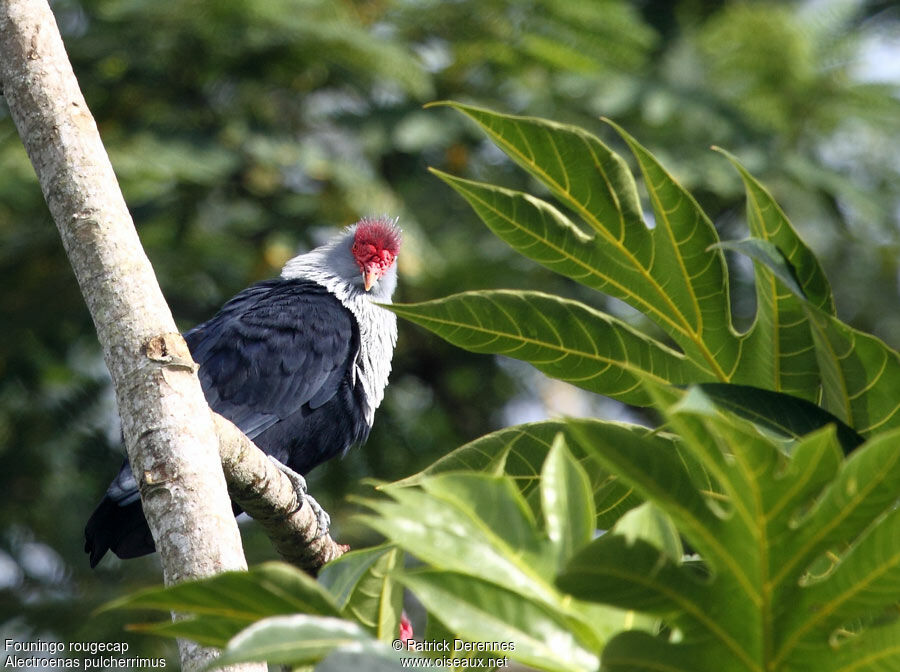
374	250
373	262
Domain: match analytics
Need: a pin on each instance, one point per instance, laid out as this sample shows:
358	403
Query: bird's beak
370	277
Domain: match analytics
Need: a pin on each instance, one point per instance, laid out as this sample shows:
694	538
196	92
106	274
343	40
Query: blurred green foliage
243	130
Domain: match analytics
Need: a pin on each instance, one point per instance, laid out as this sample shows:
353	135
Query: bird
299	363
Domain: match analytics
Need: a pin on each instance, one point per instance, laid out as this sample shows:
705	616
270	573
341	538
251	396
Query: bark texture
268	497
169	433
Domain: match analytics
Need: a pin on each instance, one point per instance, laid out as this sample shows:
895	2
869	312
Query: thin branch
268	497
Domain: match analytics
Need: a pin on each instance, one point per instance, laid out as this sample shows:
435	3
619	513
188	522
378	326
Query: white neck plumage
333	267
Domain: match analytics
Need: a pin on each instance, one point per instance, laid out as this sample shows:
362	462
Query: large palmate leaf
279	613
540	231
520	451
783	414
673	271
564	339
302	639
779	344
860	374
485	611
470	522
223	605
364	589
802	553
768	222
492	562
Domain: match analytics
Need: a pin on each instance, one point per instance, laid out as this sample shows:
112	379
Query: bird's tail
120	529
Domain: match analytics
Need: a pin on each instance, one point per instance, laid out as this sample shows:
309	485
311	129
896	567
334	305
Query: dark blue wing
274	349
278	361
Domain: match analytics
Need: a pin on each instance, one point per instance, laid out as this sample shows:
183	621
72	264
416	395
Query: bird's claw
323	520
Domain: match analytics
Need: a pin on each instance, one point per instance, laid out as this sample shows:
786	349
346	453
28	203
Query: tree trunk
169	432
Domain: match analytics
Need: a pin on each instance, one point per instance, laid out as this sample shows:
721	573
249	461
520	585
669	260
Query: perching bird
298	363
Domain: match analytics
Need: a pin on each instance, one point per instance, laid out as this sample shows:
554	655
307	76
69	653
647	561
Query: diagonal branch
268	497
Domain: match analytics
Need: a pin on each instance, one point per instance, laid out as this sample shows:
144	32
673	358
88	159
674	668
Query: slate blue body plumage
277	361
298	363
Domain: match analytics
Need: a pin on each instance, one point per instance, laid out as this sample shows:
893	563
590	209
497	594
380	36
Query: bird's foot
323	520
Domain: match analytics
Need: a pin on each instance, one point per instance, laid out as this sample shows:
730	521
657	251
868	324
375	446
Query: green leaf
768	223
634	574
364	589
864	487
268	589
782	413
224	604
648	523
876	648
769	254
674	273
564	339
778	348
581	170
480	526
645	268
860	374
520	452
436	631
542	233
652	466
480	611
638	651
797	550
689	271
496	503
208	630
864	583
568	504
299	640
470	523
